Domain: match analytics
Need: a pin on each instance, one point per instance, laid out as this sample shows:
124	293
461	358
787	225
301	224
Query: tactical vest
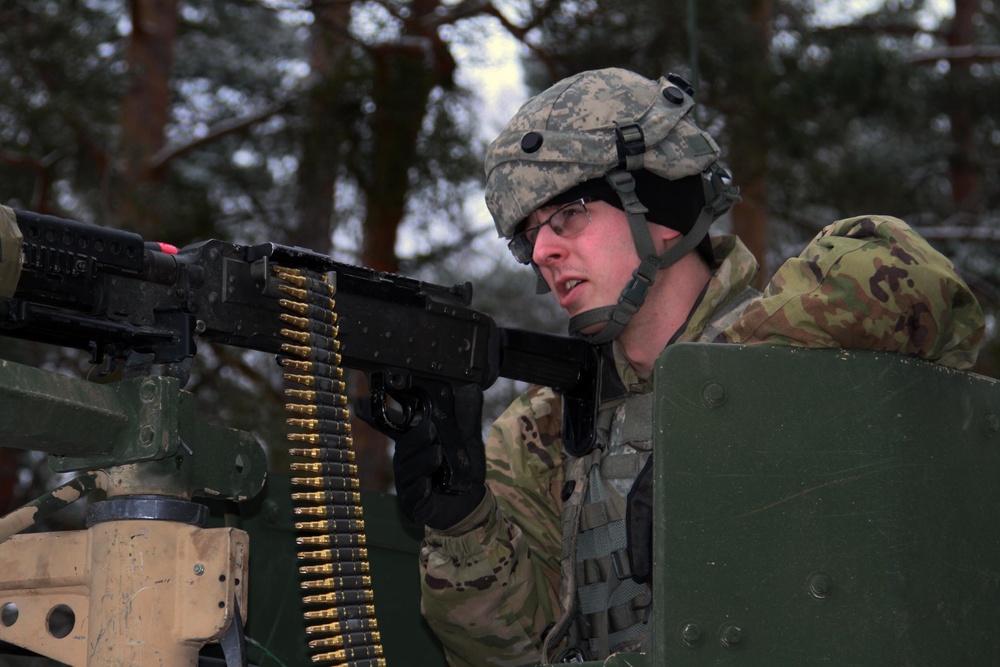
612	607
609	610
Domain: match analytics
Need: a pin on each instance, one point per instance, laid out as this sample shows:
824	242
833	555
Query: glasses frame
522	244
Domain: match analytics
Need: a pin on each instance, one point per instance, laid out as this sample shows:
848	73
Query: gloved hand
436	453
639	524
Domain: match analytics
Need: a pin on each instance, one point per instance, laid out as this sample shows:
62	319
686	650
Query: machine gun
141	309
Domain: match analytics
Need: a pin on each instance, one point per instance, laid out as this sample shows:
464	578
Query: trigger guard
380	411
380	415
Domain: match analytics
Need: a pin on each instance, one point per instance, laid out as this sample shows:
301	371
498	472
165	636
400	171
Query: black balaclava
674	204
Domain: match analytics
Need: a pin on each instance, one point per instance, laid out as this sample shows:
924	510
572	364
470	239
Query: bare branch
957	54
873	28
989	232
445	15
440	252
220	129
40	167
33	163
520	33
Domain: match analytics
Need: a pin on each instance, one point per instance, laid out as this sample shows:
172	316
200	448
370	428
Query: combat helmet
604	124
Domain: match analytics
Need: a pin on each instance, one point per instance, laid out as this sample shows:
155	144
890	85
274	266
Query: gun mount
147	554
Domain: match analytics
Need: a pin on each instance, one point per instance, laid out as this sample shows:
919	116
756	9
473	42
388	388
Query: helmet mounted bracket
631	144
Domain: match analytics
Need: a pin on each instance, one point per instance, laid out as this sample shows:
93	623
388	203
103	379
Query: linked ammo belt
340	615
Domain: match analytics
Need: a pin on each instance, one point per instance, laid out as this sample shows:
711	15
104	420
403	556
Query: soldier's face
589	269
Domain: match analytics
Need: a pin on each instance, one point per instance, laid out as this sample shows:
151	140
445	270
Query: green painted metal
275	614
148	421
824	507
215	460
620	660
58	414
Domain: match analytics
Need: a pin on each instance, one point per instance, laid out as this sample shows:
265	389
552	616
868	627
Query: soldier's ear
661	234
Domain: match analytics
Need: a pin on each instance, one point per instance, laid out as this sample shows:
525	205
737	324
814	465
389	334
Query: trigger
379	405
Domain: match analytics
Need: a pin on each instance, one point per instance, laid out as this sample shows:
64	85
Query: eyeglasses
567	220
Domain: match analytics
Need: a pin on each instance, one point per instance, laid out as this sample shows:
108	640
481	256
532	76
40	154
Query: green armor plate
824	507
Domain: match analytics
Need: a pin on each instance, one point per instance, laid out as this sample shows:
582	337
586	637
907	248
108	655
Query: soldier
605	185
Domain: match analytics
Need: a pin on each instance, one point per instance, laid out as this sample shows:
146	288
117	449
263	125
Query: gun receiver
143	306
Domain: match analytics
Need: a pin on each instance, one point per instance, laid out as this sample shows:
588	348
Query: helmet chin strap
634	293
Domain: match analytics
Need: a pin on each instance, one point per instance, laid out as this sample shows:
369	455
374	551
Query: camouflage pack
873	283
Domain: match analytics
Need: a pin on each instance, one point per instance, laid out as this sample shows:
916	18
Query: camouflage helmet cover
567	135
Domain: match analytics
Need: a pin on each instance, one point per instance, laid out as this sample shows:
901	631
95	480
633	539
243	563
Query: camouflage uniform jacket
491	584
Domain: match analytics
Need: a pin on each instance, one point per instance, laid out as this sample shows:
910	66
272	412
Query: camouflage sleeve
489	590
868	283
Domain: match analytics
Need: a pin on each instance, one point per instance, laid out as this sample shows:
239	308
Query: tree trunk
146	109
324	135
964	171
750	215
746	111
400	89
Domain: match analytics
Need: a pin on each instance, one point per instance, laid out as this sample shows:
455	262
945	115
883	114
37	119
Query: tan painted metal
10	252
122	593
26	516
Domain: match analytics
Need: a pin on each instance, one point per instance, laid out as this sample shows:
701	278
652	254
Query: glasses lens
521	248
571	219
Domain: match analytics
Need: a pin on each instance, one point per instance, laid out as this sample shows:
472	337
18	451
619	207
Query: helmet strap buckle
642	279
635	291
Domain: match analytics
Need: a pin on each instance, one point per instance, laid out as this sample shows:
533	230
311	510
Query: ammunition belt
340	615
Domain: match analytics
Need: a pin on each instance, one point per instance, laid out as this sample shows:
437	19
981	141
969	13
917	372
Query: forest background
350	127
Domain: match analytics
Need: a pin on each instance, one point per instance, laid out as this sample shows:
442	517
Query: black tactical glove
639	524
440	463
